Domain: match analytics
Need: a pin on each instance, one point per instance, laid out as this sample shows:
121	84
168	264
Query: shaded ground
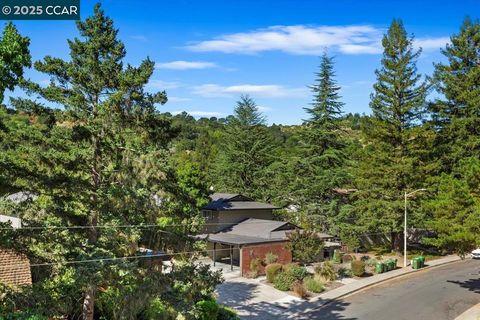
442	293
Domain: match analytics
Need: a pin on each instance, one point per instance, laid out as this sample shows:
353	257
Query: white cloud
297	39
431	43
264	109
306	40
198	113
186	65
271	90
178	99
162	85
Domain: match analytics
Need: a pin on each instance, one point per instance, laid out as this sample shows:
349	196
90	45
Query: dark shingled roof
253	231
235	201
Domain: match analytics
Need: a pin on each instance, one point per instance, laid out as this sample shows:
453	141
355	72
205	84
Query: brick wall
250	252
14	268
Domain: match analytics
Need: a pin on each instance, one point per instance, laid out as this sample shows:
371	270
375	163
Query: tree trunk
89	299
89	303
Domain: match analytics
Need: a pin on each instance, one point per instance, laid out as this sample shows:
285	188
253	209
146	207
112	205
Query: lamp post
405	226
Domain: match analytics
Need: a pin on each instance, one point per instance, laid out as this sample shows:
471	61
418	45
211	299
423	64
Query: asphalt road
436	294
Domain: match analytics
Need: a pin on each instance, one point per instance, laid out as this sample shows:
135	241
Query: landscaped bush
325	271
337	256
254	264
313	285
207	310
226	313
298	272
299	289
358	268
283	281
270	258
365	258
345	273
158	310
272	270
306	246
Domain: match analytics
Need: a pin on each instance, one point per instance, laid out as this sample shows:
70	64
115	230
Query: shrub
326	271
365	258
347	258
337	256
358	268
272	270
207	310
306	246
296	271
271	258
283	281
313	285
299	289
226	313
345	273
158	310
254	264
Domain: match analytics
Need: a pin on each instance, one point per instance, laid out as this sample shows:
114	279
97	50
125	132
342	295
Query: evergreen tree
392	159
455	207
246	153
458	80
103	161
14	57
320	165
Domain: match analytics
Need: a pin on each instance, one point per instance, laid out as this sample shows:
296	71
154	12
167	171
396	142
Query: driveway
255	300
441	293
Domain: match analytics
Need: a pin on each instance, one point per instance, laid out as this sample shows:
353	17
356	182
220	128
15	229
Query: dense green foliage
272	270
306	246
313	285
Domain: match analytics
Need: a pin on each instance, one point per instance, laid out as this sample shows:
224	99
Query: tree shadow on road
470	284
241	296
331	311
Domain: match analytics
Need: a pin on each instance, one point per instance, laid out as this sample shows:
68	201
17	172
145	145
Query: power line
116	258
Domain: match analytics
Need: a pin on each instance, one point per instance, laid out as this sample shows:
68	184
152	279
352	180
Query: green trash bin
379	267
416	263
422	261
386	265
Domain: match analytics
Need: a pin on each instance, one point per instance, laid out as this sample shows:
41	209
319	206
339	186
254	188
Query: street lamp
405	226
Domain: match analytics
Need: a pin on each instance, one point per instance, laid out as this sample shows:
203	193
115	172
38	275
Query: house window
207	214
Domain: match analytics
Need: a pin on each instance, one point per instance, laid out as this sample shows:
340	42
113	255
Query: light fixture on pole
405	226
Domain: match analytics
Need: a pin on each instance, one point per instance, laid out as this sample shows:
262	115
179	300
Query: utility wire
115	258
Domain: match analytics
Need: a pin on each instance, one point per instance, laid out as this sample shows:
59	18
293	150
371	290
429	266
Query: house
15	267
227	209
251	239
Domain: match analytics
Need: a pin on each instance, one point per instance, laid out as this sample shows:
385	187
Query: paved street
441	293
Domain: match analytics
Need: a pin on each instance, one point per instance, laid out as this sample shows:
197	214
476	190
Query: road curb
368	286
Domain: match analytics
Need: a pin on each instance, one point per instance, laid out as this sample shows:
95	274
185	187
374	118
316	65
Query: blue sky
208	53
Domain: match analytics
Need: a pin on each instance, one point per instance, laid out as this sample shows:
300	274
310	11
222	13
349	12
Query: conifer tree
14	57
321	162
102	161
246	152
456	116
391	161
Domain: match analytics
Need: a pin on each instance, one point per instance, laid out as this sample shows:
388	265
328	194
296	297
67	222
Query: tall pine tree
246	152
458	80
320	167
392	158
101	164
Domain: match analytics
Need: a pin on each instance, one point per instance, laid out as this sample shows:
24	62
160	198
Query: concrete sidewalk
471	314
256	300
